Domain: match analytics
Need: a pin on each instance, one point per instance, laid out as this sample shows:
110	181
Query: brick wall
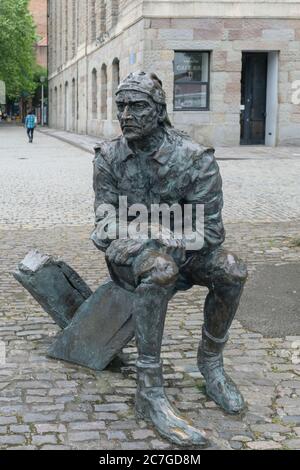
38	9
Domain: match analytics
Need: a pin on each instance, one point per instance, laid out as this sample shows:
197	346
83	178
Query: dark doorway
253	99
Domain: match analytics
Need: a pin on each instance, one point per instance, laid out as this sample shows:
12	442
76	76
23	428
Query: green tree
17	39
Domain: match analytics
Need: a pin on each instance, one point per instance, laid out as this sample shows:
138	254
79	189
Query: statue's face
138	114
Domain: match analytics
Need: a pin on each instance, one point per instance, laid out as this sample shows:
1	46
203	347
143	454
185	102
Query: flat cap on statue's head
144	82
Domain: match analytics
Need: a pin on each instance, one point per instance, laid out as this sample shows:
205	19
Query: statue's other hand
153	266
172	246
121	251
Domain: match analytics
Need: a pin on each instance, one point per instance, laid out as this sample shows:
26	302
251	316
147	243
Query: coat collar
162	155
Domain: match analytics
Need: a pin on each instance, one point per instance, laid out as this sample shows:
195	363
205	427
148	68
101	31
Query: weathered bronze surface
154	163
54	284
95	326
151	163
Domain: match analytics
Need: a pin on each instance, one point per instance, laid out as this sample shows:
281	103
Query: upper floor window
191	80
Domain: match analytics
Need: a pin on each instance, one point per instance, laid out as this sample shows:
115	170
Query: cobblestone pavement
47	404
267	178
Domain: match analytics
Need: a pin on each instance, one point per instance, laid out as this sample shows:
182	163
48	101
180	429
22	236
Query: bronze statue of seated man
153	163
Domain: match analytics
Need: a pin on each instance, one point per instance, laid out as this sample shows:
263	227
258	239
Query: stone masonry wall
149	43
226	39
127	48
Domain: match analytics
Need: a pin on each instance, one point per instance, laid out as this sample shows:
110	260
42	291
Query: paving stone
297	431
39	417
157	445
112	407
83	436
116	435
241	438
35	400
45	439
137	445
73	416
294	419
55	447
269	427
8	420
22	448
236	445
19	428
142	434
263	445
88	426
8	440
106	416
292	444
47	428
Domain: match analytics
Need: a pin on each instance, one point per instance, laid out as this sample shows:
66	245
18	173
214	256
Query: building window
102	16
74	101
51	103
114	12
94	94
191	80
103	92
60	105
93	25
115	84
66	123
55	111
74	27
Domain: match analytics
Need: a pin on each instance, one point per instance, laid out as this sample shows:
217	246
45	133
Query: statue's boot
152	405
219	386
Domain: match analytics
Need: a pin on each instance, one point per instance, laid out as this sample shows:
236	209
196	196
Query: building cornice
222	9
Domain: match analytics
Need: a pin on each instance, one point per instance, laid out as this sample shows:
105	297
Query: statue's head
141	104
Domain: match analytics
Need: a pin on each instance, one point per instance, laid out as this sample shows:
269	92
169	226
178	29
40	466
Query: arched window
103	92
73	104
60	105
94	95
115	84
66	113
55	111
50	106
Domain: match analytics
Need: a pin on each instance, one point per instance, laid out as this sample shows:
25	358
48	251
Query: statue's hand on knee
154	267
166	243
121	252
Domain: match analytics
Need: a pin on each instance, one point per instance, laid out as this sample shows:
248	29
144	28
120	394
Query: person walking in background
30	123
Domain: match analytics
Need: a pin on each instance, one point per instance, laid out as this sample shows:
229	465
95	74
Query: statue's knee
235	269
152	267
123	276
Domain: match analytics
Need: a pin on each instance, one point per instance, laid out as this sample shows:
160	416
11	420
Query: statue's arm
206	188
106	192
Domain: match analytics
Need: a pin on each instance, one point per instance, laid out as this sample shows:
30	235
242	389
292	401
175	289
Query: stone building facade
231	70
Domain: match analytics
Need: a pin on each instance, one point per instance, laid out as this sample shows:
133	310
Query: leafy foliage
17	39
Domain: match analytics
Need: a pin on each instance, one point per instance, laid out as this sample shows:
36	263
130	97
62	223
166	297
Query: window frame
207	108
